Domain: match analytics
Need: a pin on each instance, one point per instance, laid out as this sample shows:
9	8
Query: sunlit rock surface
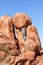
19	41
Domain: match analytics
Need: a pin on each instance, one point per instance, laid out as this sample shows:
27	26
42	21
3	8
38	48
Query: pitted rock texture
31	33
14	50
6	27
21	20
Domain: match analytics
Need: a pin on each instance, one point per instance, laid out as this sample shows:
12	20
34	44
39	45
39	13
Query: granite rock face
14	50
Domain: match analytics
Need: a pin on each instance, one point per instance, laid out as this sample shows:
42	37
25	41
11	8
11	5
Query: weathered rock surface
14	50
6	27
31	33
21	20
29	55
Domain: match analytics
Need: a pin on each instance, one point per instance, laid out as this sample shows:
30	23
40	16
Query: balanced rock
21	20
14	49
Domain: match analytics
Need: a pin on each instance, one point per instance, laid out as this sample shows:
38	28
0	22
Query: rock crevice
19	41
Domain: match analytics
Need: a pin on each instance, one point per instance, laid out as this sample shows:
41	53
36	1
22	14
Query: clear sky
34	8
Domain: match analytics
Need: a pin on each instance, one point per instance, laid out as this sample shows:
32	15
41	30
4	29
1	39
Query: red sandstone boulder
21	20
31	33
14	50
6	27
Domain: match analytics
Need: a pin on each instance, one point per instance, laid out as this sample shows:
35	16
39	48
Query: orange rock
27	63
31	33
20	40
21	20
14	49
4	47
3	63
41	52
36	61
29	55
12	59
31	45
7	59
19	60
40	63
2	55
6	27
14	52
41	57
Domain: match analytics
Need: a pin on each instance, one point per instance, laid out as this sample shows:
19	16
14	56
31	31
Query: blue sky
34	8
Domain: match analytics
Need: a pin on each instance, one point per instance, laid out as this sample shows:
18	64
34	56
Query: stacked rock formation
14	49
